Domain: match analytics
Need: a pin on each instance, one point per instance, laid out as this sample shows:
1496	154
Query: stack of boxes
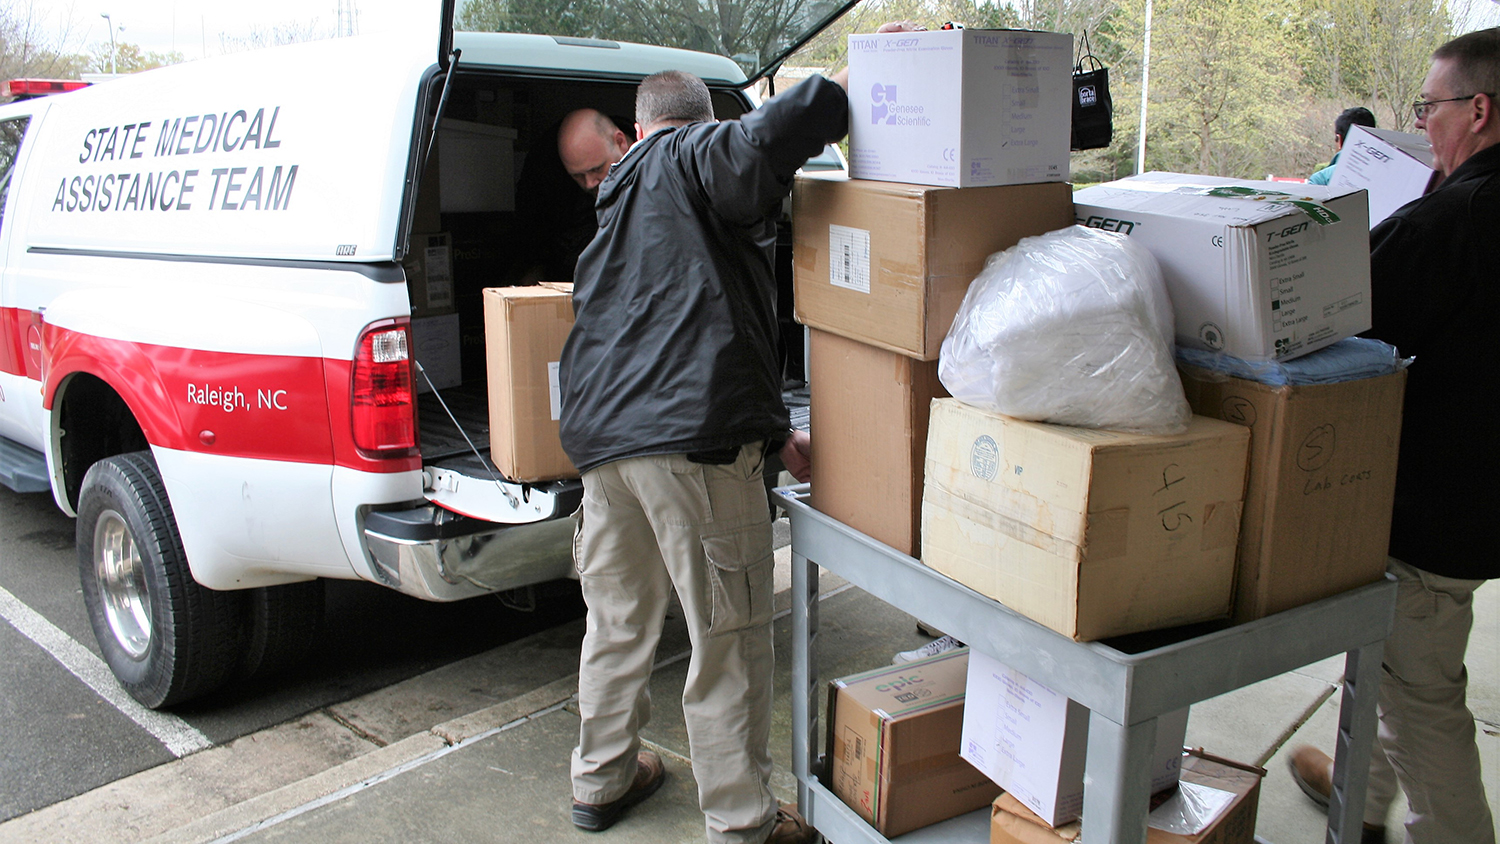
1273	497
1263	275
941	179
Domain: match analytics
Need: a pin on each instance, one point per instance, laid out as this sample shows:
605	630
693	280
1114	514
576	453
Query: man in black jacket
1435	277
671	398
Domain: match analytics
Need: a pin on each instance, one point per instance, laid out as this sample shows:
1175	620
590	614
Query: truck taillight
384	394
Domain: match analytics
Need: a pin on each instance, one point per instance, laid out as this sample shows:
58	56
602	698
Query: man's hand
796	456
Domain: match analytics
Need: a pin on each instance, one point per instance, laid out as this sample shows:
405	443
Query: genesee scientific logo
886	109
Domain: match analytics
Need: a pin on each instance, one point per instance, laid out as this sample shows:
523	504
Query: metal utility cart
1125	692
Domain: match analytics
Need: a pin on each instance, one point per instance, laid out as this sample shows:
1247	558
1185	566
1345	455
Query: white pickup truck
205	348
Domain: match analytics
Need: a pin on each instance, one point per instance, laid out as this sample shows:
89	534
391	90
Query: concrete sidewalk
500	772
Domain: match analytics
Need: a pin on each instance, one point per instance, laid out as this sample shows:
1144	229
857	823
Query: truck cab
213	297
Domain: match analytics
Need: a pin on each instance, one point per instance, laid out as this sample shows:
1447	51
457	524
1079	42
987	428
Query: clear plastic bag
1071	327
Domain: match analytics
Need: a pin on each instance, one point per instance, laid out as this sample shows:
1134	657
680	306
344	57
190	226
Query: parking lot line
179	737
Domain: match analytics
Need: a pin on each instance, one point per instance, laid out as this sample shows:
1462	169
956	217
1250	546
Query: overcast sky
195	27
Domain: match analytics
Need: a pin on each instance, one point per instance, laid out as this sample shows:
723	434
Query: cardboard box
870	407
525	329
960	107
1033	741
1209	777
1248	275
1321	484
1091	533
429	273
434	341
889	264
893	745
478	166
1394	167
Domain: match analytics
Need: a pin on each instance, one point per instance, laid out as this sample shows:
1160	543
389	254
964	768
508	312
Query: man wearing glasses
1435	280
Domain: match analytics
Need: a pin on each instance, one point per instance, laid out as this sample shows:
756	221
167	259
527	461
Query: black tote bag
1093	109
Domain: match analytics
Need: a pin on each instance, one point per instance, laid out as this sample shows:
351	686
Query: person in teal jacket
1357	116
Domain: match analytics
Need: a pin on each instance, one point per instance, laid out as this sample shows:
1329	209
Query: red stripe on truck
268	407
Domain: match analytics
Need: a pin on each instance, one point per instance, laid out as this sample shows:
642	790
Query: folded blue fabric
1347	360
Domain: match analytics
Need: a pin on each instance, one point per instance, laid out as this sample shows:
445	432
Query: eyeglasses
1422	108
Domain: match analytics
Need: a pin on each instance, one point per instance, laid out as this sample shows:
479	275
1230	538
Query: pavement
477	751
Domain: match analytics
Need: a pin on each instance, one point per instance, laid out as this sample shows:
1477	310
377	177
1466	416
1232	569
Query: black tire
280	626
166	638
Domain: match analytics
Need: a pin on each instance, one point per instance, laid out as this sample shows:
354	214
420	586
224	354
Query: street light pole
1140	152
113	51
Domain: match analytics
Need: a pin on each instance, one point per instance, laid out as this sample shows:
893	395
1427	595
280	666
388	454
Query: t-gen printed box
1395	167
1253	271
960	107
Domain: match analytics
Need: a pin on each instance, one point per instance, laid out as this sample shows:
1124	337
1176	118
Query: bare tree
27	48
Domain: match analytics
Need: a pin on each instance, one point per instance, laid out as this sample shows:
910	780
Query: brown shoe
1312	770
790	828
649	775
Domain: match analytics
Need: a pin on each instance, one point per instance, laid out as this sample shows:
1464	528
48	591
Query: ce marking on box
950	154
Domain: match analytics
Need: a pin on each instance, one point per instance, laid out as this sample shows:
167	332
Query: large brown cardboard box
893	744
889	263
1321	485
1013	823
870	408
524	330
1091	533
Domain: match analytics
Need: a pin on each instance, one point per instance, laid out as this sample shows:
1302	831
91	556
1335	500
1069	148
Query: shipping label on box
888	264
1223	795
893	744
1033	741
1091	533
429	273
525	329
960	107
1252	271
435	345
872	407
1394	167
1322	482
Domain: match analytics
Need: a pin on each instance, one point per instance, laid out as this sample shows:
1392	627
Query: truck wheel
280	623
166	638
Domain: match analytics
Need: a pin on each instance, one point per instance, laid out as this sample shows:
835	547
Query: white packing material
1072	327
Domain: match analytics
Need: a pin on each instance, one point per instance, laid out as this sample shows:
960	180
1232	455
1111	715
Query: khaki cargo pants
650	525
1426	739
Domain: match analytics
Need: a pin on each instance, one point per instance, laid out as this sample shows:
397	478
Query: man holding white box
1433	278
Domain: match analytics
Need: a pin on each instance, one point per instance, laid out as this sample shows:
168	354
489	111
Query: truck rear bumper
437	555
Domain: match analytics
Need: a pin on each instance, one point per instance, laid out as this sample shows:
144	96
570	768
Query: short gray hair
1476	62
672	95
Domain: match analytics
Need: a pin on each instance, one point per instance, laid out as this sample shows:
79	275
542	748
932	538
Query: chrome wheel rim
121	576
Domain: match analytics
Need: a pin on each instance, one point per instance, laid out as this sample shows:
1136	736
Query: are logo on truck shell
146	166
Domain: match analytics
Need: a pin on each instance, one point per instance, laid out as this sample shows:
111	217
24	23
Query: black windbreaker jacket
673	347
1435	291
